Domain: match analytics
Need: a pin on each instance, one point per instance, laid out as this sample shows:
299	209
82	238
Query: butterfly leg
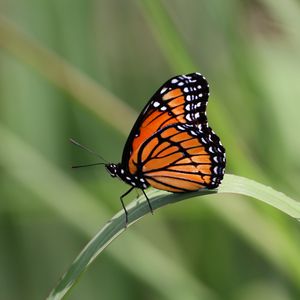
123	205
150	206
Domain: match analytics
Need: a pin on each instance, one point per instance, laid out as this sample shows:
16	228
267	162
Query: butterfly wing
181	100
179	158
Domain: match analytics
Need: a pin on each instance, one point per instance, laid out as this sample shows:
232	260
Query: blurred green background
83	69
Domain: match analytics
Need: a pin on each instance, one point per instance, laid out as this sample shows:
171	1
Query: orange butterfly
171	147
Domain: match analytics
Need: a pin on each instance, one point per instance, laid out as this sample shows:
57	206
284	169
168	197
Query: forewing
179	158
181	100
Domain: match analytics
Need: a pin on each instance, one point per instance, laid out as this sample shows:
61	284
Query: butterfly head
112	169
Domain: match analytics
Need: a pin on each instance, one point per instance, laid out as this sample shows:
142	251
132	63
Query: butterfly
171	146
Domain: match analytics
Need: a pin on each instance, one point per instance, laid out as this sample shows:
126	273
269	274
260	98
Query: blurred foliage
81	69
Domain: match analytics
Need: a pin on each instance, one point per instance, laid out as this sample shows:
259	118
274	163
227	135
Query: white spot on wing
156	104
188	117
203	141
163	90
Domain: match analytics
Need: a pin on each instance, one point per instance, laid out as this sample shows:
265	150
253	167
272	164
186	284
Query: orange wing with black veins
180	159
181	100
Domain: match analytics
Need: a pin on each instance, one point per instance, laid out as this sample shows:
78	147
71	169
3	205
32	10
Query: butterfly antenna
87	149
88	165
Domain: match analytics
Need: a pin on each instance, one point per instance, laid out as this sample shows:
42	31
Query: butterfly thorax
116	170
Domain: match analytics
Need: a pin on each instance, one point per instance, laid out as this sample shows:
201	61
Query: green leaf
139	208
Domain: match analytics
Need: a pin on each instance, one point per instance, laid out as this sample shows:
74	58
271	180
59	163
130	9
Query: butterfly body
171	147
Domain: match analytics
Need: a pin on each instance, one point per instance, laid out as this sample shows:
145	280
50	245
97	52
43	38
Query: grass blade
138	208
83	88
